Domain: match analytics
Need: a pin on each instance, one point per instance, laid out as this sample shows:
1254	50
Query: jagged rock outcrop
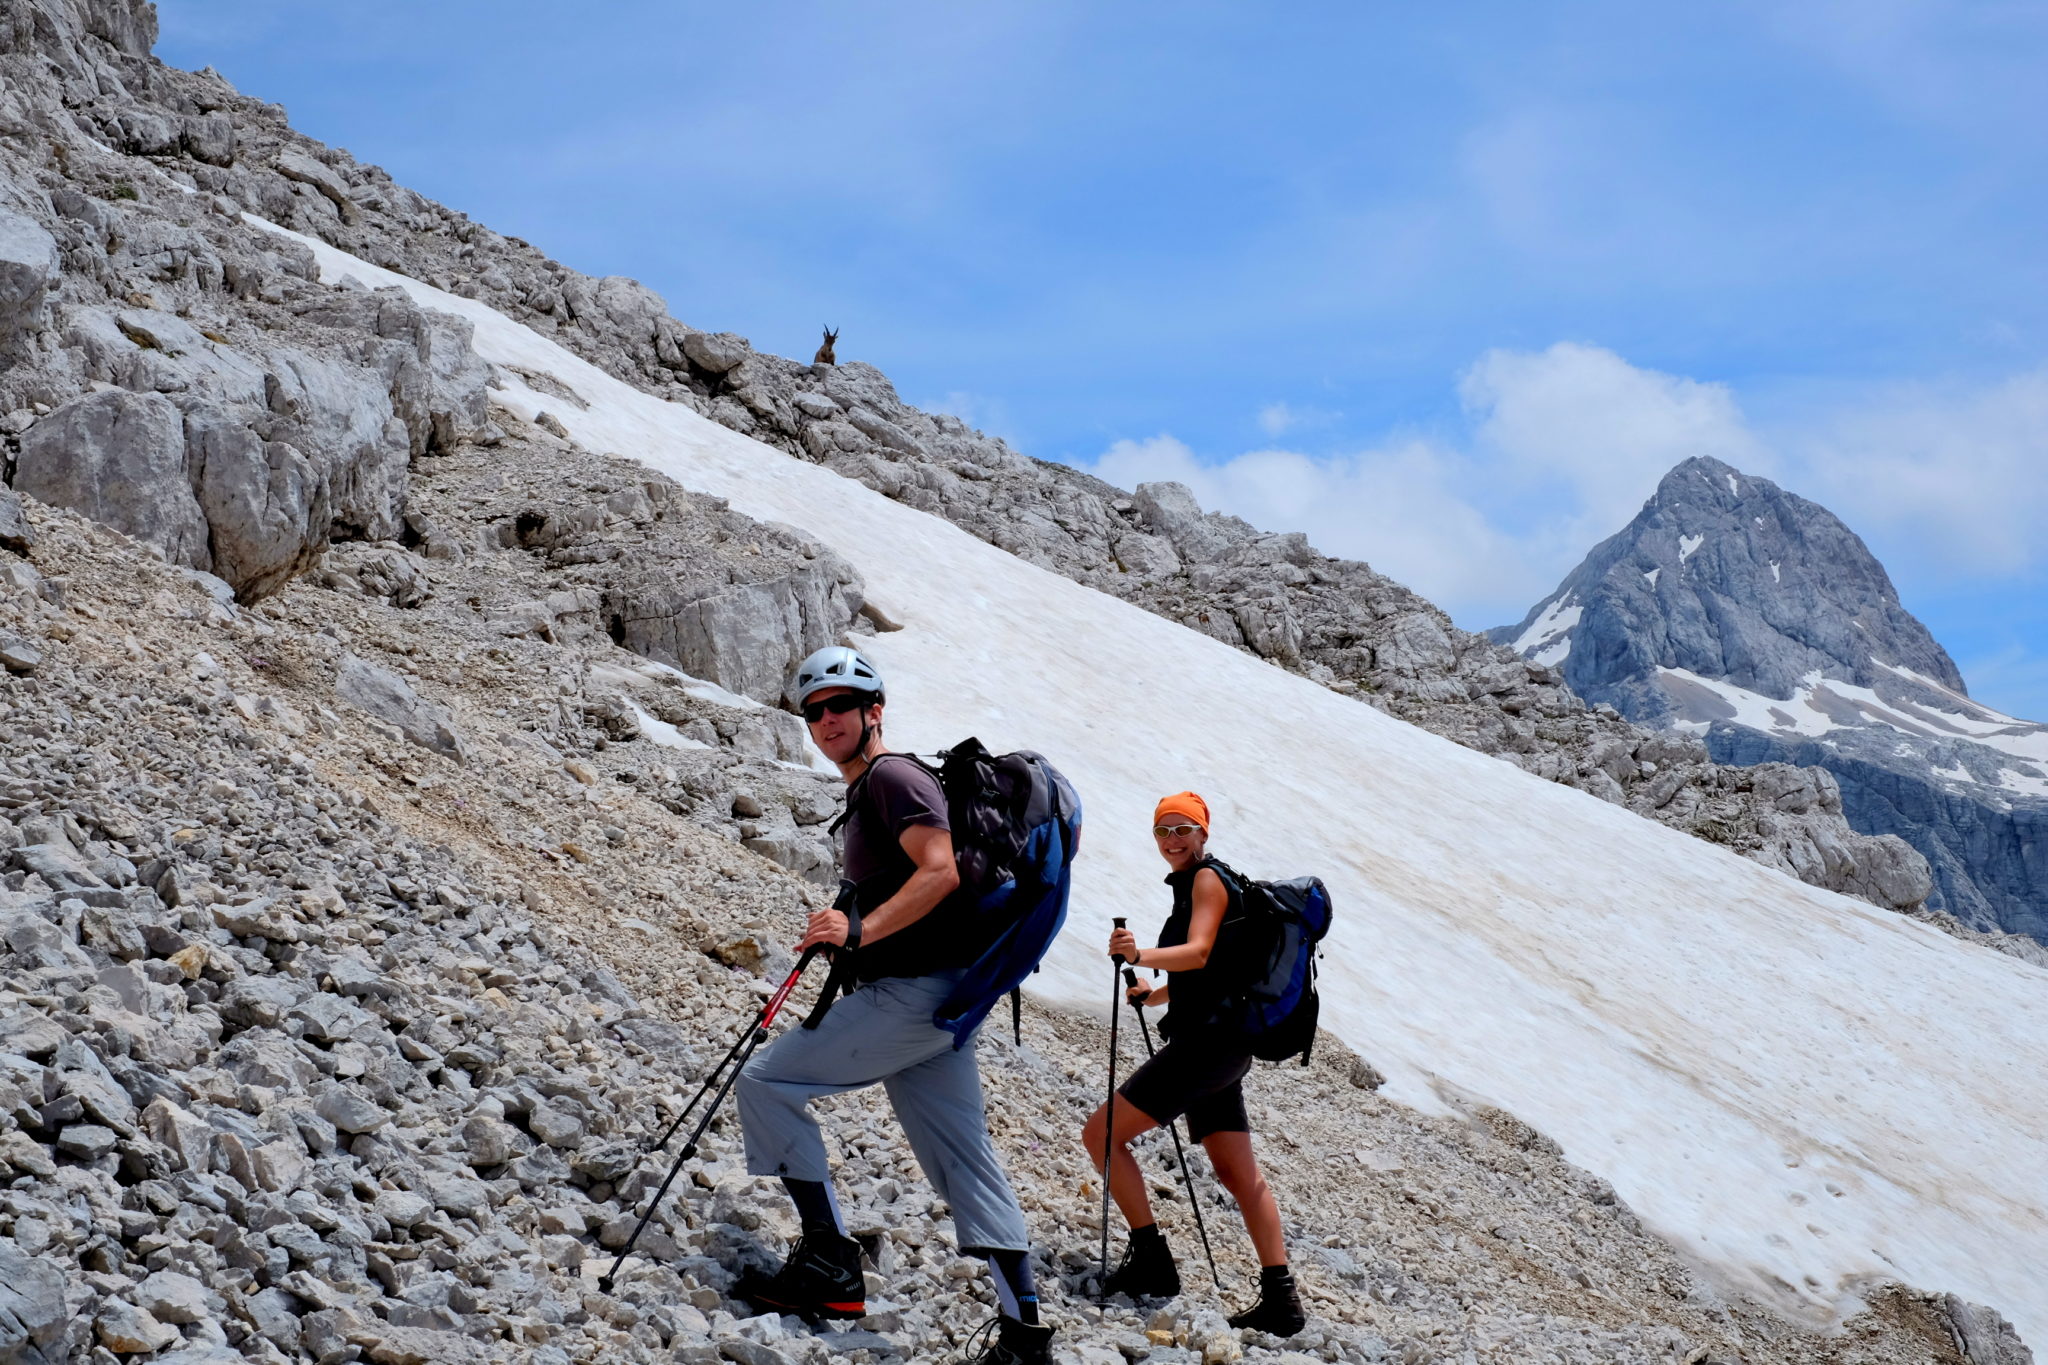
258	418
120	459
1731	609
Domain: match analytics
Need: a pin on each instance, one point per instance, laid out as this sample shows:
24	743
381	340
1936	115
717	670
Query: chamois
825	355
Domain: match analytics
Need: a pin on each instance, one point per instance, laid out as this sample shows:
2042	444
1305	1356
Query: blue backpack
1271	943
1016	824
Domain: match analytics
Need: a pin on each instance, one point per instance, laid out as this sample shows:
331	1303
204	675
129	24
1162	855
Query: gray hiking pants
884	1033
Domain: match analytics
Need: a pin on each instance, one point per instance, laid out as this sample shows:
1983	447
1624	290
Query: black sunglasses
814	711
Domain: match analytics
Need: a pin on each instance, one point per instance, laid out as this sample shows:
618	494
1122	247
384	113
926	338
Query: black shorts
1201	1081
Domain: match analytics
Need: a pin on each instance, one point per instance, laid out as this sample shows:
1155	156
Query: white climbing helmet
836	666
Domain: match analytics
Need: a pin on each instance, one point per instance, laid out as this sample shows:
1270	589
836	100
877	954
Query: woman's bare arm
1211	900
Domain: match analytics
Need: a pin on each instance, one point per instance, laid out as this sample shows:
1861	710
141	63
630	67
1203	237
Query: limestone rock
747	637
716	351
1985	1336
268	508
388	1345
32	1312
16	535
29	266
379	692
173	1297
438	385
340	416
120	459
297	166
350	1111
127	1330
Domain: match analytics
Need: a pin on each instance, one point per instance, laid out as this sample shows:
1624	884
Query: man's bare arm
935	879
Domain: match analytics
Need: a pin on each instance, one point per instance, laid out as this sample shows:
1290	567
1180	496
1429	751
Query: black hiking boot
1278	1310
821	1279
1147	1270
1016	1343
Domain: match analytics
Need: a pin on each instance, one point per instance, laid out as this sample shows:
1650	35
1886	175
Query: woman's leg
1126	1181
1238	1169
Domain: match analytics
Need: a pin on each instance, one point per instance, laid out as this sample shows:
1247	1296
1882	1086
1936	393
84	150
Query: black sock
1016	1286
816	1209
1148	1235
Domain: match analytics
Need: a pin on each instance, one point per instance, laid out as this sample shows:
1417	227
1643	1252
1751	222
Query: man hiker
905	955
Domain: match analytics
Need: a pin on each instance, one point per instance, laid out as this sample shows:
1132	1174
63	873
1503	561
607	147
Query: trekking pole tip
604	1284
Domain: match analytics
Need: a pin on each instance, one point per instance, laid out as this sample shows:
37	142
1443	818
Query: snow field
1799	1089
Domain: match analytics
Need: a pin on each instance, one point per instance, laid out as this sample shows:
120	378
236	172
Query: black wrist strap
852	929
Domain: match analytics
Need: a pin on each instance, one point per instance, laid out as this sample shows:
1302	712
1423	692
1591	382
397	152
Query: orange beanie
1187	805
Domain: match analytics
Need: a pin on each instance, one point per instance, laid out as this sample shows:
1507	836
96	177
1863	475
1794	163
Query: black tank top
1192	995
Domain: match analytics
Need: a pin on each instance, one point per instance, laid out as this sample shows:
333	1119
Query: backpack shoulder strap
859	790
1233	881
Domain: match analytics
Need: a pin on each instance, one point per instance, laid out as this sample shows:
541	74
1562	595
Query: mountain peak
1726	576
1701	470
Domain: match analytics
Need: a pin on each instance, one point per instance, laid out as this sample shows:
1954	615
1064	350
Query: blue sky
1446	286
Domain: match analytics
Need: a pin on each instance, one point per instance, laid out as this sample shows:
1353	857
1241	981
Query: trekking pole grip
1120	922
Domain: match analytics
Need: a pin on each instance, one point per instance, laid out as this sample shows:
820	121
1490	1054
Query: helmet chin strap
868	733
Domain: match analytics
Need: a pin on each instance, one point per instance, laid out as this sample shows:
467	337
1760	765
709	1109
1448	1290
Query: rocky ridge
137	174
1732	609
334	1016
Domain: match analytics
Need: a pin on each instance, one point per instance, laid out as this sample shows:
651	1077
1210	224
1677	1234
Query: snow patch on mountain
1557	619
1821	706
1804	1092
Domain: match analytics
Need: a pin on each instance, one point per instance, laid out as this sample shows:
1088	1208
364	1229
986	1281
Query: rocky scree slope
357	940
136	173
1756	619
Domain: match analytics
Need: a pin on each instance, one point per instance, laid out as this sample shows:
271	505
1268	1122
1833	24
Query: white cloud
1957	479
1399	507
1583	417
1277	419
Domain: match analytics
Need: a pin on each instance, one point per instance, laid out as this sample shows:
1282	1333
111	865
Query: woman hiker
1199	1072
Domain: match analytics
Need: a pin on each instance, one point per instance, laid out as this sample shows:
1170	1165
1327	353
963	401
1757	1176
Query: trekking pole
1194	1201
717	1074
744	1051
1109	1112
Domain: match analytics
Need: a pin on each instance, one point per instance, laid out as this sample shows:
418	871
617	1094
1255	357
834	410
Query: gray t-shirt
895	793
